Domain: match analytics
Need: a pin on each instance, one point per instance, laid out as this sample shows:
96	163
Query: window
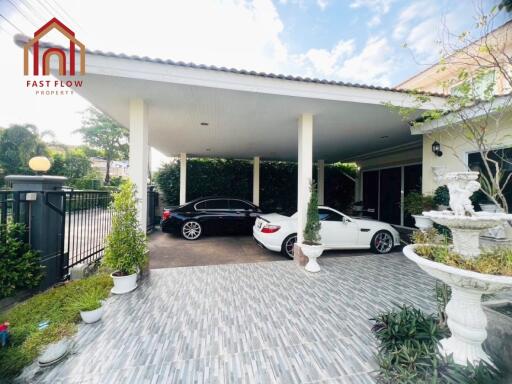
217	204
479	85
503	157
201	205
212	204
240	205
328	215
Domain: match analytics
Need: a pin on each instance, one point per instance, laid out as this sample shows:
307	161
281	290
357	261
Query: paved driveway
168	251
267	322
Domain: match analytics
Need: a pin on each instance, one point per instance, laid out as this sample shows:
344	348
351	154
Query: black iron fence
85	222
80	221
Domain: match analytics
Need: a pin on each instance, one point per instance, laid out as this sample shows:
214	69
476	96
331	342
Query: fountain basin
466	229
466	318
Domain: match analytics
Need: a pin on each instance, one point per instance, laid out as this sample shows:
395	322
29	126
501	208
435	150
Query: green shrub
442	196
415	203
20	266
126	247
311	232
57	306
408	351
278	182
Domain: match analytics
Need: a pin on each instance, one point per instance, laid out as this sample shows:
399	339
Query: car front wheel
191	230
382	242
287	246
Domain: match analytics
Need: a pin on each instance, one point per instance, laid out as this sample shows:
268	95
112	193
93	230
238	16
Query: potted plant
126	248
415	203
442	198
311	246
90	305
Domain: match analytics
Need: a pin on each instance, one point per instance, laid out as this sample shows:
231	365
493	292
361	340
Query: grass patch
58	307
495	262
435	247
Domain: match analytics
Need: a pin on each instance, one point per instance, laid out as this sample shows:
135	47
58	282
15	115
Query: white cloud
377	6
373	65
325	62
409	16
322	4
374	21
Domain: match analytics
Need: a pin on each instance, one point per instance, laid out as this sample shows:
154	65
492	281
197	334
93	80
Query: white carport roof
247	113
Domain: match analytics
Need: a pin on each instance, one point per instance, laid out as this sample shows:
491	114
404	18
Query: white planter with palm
126	248
311	246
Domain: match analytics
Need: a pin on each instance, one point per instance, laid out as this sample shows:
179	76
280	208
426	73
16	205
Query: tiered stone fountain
466	318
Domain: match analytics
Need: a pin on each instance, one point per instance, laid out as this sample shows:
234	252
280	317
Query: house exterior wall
455	149
440	78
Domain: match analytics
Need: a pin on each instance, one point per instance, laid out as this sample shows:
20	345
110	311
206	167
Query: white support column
256	180
305	170
183	178
321	181
139	156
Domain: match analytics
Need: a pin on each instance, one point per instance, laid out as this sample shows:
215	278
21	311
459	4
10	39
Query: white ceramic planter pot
466	318
93	316
422	222
312	252
124	284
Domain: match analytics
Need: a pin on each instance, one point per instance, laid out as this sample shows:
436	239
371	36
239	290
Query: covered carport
186	110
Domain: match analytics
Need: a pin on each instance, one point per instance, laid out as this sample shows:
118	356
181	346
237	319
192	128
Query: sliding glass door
384	189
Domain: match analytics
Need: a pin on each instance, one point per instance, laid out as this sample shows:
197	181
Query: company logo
66	67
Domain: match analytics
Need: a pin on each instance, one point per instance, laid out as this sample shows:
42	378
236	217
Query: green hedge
278	182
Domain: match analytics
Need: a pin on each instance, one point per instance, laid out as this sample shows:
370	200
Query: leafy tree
73	163
106	135
477	109
18	144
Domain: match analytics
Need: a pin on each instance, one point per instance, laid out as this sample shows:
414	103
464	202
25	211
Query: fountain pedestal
466	318
467	322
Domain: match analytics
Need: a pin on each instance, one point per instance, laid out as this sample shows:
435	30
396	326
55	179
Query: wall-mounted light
39	164
436	149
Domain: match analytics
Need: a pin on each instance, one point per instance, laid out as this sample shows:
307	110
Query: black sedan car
210	215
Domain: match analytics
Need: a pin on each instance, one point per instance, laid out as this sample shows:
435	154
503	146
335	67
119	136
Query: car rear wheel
287	246
382	242
191	230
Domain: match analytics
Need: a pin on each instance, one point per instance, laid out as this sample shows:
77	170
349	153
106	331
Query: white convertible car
338	231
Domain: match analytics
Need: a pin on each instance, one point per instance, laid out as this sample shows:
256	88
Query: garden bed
57	306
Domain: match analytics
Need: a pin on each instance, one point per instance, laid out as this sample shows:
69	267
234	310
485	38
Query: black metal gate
85	222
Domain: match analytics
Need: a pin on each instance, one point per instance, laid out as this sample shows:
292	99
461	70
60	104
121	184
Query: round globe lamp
39	164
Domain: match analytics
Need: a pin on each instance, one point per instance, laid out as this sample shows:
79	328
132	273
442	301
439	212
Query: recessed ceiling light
204	123
384	137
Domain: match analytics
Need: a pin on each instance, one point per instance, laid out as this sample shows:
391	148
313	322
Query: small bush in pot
126	249
442	196
415	203
90	304
311	246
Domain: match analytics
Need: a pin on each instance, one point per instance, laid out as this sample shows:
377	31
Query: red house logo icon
49	52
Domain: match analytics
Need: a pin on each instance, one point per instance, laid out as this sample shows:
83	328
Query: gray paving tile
268	322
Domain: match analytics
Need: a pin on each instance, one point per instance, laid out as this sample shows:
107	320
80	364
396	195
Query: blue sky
357	41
